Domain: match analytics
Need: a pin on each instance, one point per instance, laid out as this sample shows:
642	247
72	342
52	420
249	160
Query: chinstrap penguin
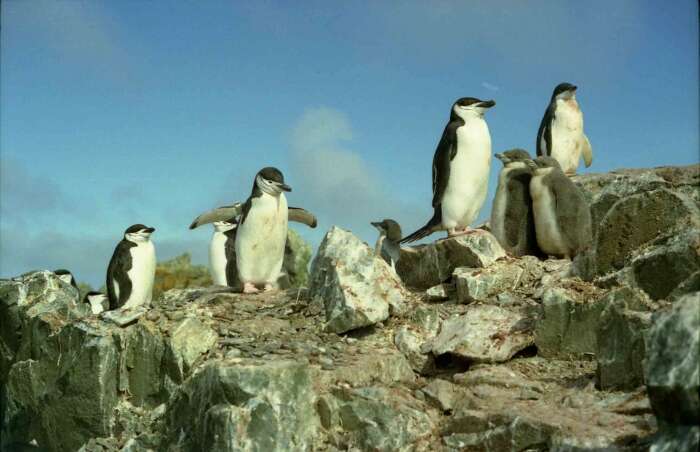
97	300
561	131
460	170
387	245
66	276
132	269
562	215
512	221
222	253
262	231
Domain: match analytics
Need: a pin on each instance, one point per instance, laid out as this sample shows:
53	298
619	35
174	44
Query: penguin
387	246
296	214
562	215
97	300
512	221
261	234
561	131
461	168
66	276
222	253
132	269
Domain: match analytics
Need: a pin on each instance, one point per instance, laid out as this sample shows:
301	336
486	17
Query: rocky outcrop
638	216
358	288
501	353
424	266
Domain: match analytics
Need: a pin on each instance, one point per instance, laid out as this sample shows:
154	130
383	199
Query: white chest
142	273
547	230
217	258
260	240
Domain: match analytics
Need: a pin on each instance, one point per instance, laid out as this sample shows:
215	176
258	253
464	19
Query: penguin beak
487	104
284	187
149	230
378	225
500	157
573	88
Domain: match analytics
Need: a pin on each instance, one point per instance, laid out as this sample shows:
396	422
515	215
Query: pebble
152	315
233	353
326	362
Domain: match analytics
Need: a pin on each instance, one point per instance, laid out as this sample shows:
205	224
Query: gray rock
297	254
375	418
356	286
621	339
440	292
673	362
442	393
569	322
485	333
479	284
410	343
246	406
124	317
189	340
424	266
674	438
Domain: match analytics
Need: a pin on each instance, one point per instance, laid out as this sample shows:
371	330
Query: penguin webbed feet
250	288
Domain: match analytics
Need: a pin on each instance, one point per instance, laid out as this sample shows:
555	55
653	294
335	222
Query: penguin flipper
544	134
433	225
219	214
587	152
445	152
299	215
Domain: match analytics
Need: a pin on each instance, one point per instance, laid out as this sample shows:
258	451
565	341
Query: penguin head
96	301
66	276
514	158
544	164
270	180
138	233
470	107
223	226
389	228
564	91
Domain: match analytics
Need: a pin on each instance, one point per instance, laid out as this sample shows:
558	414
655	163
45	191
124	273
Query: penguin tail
435	224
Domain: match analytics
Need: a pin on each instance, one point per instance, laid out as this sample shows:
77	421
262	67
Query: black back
230	250
545	131
117	270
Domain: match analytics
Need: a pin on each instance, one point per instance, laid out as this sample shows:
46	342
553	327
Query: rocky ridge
484	352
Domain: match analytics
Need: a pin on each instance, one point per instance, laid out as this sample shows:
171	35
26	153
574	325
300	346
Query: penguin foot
268	287
250	288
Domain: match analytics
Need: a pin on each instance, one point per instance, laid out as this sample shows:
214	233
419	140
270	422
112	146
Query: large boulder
249	405
673	362
358	288
621	339
569	321
297	255
424	266
485	333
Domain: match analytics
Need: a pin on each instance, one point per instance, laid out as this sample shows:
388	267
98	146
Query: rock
374	418
673	438
442	393
485	333
125	317
498	376
479	284
569	322
189	340
410	343
246	406
440	292
297	254
667	263
621	339
672	367
633	221
424	266
357	287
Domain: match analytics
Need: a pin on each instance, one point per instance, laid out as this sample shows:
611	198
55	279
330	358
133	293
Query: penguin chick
387	246
66	276
562	215
512	221
97	300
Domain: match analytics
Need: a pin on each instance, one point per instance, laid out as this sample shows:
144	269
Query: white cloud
490	86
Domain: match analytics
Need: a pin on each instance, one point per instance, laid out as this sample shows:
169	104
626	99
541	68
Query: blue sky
122	112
